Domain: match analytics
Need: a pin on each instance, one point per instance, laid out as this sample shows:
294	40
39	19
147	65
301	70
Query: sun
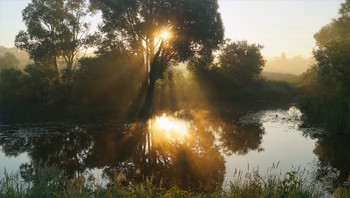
165	35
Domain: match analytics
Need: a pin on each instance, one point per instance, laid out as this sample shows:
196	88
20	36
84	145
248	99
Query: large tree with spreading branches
160	32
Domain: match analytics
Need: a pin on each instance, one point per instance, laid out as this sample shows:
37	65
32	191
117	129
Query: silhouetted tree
242	60
194	28
329	104
56	32
338	29
332	54
11	87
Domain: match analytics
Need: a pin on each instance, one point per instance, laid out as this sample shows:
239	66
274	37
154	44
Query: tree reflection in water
333	152
185	148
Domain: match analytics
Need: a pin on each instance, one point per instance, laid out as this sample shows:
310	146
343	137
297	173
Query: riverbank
48	182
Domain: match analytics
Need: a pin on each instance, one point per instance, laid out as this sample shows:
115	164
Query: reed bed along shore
49	182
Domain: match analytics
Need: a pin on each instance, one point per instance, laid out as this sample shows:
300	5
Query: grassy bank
50	183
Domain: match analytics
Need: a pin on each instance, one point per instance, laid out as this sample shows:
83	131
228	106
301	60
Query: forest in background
133	72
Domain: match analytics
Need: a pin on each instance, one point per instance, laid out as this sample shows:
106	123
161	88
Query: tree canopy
333	52
242	59
55	33
137	27
338	29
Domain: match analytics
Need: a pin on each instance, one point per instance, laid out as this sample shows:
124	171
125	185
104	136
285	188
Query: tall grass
293	184
327	111
50	183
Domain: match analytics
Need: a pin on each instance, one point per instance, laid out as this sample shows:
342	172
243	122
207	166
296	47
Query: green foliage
326	86
338	29
49	183
341	192
237	75
333	62
11	87
25	91
327	111
242	60
37	82
135	27
55	32
101	86
255	185
332	54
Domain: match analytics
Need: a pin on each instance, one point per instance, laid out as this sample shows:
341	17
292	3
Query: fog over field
288	65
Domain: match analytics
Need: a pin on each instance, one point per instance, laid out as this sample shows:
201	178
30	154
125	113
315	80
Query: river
201	149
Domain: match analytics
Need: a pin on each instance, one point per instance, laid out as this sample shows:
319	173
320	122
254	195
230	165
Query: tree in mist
333	51
160	32
242	60
329	78
8	60
283	57
338	29
56	32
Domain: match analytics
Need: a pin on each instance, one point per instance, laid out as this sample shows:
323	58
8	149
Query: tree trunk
147	107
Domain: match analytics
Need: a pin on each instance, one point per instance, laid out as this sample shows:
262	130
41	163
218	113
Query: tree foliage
242	59
8	60
136	26
338	29
333	52
327	83
56	32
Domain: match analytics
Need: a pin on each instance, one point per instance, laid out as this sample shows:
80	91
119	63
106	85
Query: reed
50	183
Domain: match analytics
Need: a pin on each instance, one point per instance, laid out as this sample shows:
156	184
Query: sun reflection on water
170	126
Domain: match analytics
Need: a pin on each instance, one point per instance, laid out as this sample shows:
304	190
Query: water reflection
170	127
186	148
182	148
333	152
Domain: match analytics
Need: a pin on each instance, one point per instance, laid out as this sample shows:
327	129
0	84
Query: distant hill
296	65
22	56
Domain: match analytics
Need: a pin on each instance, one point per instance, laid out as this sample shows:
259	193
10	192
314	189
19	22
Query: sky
279	25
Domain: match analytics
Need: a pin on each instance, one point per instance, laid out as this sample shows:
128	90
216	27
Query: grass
49	182
326	111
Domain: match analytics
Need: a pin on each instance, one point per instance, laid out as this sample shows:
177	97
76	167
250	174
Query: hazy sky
279	25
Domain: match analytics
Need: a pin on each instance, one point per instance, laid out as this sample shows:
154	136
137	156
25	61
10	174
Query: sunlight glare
165	35
171	126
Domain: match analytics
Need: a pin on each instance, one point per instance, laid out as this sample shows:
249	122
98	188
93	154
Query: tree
11	87
338	29
333	62
8	60
332	54
327	100
242	60
160	32
56	32
38	81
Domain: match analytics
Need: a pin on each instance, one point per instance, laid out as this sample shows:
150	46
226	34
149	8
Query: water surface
190	148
